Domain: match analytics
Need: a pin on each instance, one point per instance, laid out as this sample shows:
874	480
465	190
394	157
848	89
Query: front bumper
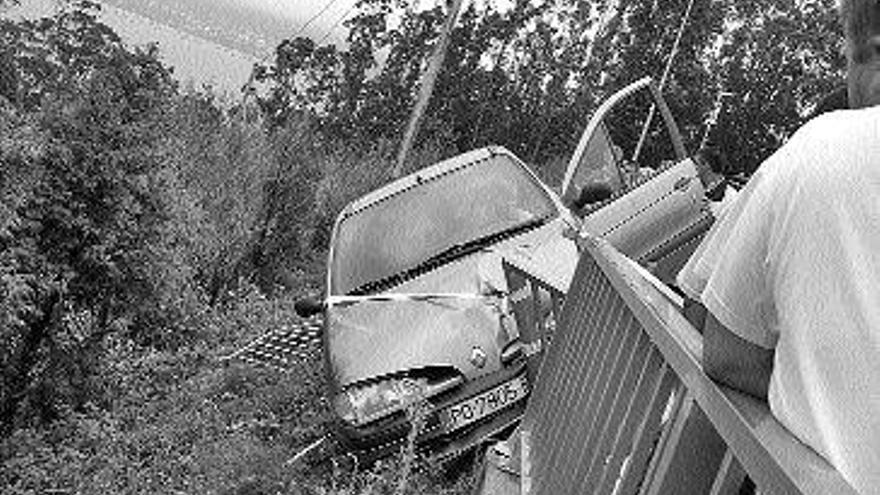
388	435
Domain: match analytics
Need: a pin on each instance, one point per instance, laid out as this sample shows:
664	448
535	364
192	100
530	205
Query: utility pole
426	88
663	78
713	117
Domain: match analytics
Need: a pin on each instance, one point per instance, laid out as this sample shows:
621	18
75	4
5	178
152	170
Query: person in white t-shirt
790	274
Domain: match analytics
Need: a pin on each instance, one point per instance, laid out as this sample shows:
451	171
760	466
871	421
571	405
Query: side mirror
308	307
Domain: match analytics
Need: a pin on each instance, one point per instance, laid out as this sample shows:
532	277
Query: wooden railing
620	403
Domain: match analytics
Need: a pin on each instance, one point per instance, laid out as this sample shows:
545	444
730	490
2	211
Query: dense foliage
146	229
529	76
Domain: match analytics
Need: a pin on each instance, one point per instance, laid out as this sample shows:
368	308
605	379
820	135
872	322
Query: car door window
598	168
629	139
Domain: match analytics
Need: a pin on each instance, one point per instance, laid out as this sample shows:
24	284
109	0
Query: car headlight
363	404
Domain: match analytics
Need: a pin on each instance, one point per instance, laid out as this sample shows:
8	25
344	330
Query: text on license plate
484	404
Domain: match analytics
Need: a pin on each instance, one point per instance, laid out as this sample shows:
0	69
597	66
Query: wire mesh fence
284	347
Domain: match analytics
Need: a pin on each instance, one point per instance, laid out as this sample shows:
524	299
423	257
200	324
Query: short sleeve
729	271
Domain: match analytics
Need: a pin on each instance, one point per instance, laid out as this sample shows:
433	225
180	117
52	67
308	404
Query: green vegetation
146	230
528	77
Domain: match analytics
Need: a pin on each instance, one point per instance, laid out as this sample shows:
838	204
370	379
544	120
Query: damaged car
415	318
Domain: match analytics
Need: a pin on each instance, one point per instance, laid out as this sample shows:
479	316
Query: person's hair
861	22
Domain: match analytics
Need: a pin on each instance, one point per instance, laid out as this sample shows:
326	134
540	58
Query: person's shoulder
833	148
839	126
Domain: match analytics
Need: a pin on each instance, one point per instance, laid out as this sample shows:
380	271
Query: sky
214	42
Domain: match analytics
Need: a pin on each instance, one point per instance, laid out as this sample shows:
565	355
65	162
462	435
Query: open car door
632	183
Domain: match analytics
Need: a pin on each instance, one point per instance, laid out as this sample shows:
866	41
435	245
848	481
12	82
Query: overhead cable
335	24
312	19
664	77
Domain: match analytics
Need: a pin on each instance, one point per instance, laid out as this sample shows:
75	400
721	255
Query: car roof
423	175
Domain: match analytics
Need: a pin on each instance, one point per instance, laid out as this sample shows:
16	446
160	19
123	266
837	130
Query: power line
308	23
304	27
248	88
335	24
312	19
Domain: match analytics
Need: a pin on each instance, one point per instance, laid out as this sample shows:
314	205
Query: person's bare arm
734	361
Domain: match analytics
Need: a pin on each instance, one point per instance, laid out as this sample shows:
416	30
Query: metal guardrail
536	305
621	404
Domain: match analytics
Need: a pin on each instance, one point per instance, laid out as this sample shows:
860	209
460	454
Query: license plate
484	404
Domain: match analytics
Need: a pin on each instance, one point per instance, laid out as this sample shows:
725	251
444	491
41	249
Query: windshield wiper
451	253
465	248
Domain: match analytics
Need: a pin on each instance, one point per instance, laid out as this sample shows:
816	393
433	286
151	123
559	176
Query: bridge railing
536	301
621	405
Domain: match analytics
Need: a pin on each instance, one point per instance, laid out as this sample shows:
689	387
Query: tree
529	76
776	62
85	118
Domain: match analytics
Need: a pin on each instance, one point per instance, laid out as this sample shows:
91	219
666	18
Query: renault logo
478	357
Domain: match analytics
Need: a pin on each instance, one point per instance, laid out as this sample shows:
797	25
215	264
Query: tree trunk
24	358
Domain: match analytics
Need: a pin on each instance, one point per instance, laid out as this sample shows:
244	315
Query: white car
415	309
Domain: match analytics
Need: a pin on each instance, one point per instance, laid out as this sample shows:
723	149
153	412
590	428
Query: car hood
438	318
375	336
